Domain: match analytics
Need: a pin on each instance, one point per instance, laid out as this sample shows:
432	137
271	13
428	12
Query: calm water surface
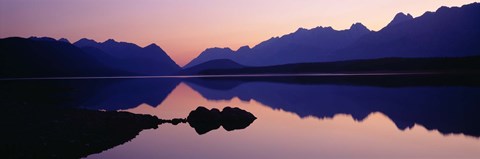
298	120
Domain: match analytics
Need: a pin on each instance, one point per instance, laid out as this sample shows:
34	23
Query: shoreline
345	74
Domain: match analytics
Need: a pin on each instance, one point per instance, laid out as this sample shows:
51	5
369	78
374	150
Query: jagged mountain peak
301	29
244	48
400	18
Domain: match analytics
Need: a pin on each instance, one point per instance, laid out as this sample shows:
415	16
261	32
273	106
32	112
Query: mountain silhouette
301	46
47	57
400	18
48	39
64	40
42	38
448	32
150	60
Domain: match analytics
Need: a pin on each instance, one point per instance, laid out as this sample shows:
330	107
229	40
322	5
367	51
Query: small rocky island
204	120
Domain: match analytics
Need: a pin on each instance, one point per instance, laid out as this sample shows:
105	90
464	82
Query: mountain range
150	60
298	47
48	57
448	32
447	108
36	57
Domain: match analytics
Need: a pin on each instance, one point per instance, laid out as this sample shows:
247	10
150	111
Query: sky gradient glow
184	28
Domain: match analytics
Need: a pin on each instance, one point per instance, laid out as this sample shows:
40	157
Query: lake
296	117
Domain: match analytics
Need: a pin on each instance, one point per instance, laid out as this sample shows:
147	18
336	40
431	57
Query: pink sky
184	28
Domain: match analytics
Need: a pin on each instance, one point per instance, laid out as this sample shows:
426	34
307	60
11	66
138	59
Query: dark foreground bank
67	133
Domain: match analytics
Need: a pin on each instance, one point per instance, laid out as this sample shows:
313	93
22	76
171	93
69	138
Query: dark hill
21	57
214	64
382	65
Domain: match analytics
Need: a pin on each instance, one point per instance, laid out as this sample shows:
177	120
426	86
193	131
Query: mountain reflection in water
449	109
324	114
283	133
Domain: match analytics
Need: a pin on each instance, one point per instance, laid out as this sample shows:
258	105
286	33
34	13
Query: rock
202	114
236	118
204	120
176	121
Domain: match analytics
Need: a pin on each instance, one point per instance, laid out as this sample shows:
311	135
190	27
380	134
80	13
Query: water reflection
40	118
308	117
279	133
96	94
125	94
447	109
